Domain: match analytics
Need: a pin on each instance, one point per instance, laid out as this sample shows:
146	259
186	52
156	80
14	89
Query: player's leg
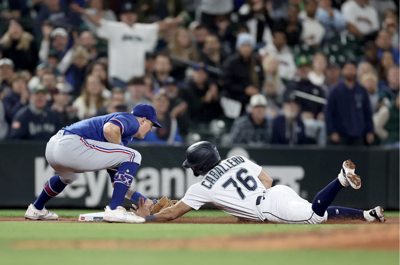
326	196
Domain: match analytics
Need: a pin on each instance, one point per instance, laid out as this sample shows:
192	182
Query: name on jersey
219	170
39	128
131	37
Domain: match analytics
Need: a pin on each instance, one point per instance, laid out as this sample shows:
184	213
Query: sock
122	181
53	187
325	197
111	173
136	195
336	212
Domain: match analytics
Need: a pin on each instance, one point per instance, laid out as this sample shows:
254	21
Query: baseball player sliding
95	144
241	188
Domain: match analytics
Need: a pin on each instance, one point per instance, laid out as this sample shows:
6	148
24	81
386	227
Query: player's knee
68	180
137	157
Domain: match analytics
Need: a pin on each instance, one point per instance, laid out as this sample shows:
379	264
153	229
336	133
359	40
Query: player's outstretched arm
168	214
265	179
112	133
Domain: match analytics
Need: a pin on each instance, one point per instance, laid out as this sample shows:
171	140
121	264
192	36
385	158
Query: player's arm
166	24
112	133
265	179
168	214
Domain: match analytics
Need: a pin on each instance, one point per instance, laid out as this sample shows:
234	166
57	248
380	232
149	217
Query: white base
91	217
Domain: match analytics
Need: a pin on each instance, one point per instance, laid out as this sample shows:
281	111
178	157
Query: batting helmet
201	157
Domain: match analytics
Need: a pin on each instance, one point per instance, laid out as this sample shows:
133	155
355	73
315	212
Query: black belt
259	198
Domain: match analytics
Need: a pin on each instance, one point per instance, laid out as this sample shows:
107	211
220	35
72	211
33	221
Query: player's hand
142	210
46	30
335	137
370	138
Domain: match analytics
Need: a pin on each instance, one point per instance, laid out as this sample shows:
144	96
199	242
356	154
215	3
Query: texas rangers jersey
93	128
232	186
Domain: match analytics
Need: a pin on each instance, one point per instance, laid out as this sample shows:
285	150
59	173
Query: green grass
37	231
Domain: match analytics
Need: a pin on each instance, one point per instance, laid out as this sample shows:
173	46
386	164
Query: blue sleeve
127	123
178	138
339	21
323	17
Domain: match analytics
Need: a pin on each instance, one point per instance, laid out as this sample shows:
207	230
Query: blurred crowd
242	72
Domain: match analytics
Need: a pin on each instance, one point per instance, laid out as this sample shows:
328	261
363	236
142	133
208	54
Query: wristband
151	218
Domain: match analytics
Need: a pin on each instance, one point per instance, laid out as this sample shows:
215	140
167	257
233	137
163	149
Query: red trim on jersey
109	151
122	126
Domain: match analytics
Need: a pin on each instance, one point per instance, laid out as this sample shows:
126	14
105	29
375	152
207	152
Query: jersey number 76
249	182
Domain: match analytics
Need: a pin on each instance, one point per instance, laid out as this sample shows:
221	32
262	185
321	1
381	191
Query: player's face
146	126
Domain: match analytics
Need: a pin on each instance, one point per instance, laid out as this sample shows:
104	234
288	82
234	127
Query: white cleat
120	215
347	175
375	215
34	214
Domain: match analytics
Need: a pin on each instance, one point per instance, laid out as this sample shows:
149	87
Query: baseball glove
161	204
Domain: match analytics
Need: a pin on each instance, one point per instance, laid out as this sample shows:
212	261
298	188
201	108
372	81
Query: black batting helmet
201	157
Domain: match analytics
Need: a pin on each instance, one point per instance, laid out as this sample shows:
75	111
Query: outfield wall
24	171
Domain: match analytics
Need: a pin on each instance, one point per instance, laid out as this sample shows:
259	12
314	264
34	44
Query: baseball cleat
375	215
34	214
120	215
348	177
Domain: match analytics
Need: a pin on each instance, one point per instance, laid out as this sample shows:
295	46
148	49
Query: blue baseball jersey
93	128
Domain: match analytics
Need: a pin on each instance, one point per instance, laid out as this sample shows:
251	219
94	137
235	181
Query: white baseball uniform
233	186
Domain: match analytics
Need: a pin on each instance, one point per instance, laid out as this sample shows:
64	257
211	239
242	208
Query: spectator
210	9
288	128
183	48
392	85
3	123
384	44
149	87
16	98
20	47
390	24
49	81
371	54
200	34
332	76
178	106
7	73
41	69
99	69
370	82
87	40
153	10
91	99
309	108
242	74
279	49
36	121
349	97
98	8
59	44
149	65
331	18
162	69
202	93
213	54
362	19
61	105
273	87
252	128
77	71
168	134
313	32
255	14
116	104
364	68
291	25
57	13
135	92
14	9
317	74
225	32
386	123
386	63
128	41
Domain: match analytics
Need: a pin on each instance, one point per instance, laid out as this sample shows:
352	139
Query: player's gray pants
283	205
70	155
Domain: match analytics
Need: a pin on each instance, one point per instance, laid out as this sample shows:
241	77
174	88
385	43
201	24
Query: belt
259	198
